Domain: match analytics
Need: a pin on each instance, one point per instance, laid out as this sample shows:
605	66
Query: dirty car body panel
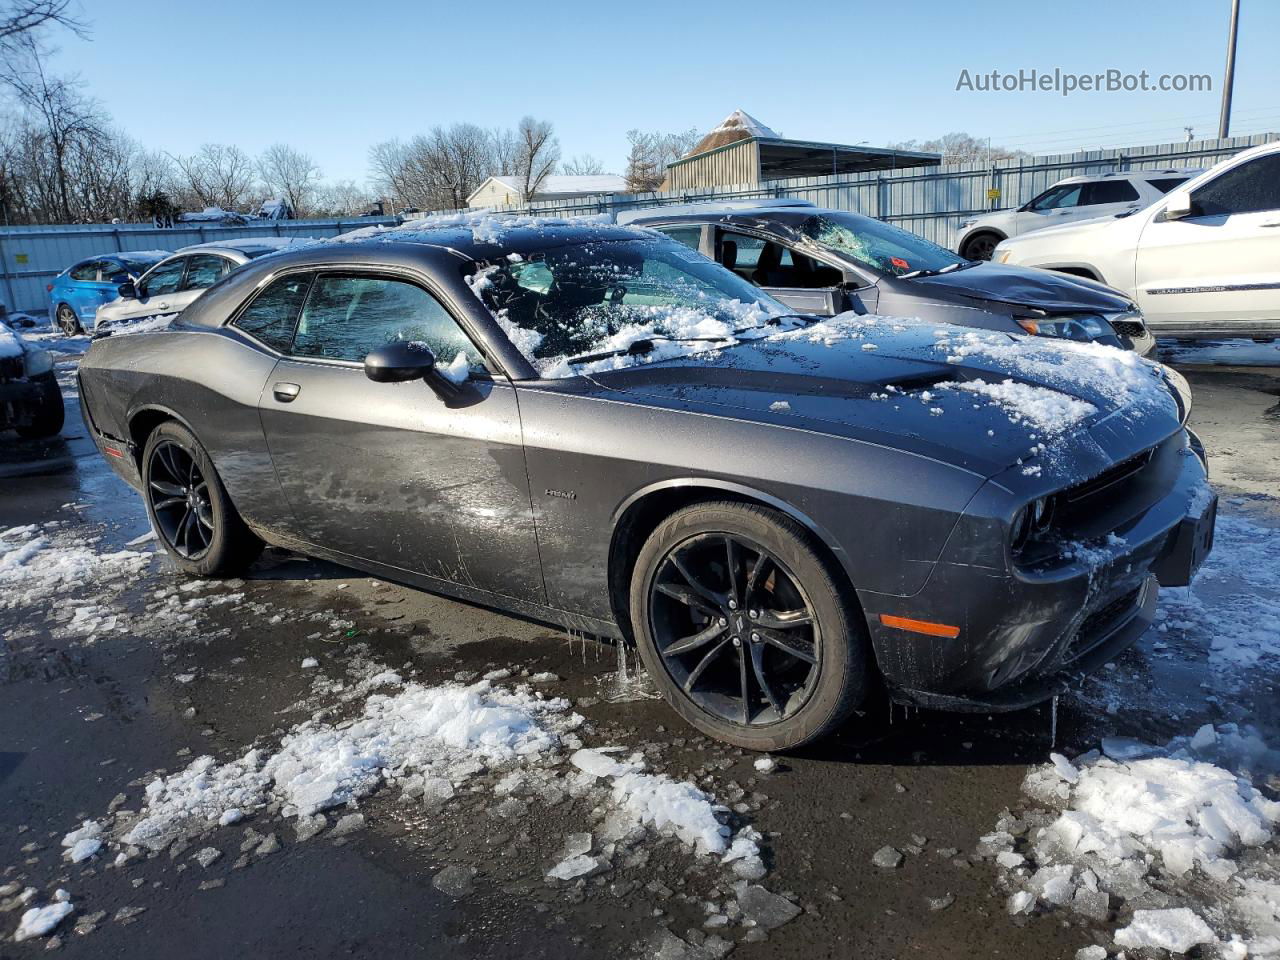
530	493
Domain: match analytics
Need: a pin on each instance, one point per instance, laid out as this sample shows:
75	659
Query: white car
1203	262
173	283
1076	198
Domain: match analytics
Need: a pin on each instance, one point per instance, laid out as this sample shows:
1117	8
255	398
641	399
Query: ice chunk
1204	738
39	921
1022	902
765	764
765	909
1094	952
310	663
454	880
1177	929
570	868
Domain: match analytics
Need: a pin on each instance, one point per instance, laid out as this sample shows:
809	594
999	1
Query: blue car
76	293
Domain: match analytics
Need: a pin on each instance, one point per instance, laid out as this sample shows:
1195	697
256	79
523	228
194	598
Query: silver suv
1075	198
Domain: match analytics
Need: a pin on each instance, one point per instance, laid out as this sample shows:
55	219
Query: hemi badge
920	626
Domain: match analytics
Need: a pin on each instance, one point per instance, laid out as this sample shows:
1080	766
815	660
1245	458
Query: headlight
1076	326
1034	518
36	362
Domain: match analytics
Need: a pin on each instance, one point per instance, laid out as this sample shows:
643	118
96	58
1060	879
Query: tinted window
1067	195
689	236
85	271
165	278
271	316
1109	191
347	317
1248	188
204	271
115	271
1165	184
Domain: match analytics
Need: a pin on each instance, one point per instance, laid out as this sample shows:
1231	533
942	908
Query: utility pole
1191	131
1224	119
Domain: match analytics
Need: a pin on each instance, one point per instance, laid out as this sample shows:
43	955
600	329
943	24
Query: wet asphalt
81	723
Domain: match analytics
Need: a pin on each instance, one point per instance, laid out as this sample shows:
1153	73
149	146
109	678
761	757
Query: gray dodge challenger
597	427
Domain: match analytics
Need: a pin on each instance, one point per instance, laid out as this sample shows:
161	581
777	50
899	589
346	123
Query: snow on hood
11	345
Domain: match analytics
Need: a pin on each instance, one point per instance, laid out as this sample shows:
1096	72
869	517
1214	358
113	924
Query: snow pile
10	343
39	921
1156	828
485	227
1233	608
1048	410
83	843
120	328
36	563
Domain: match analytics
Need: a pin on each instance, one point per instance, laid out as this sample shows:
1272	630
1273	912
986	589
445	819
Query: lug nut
724	621
755	638
733	604
737	641
753	614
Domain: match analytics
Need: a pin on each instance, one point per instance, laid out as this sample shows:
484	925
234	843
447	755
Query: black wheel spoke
794	646
757	665
716	600
705	662
689	597
731	552
784	619
746	686
168	489
206	521
756	576
699	639
168	503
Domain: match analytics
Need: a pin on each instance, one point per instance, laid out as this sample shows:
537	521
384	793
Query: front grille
1128	328
10	369
1100	624
1109	477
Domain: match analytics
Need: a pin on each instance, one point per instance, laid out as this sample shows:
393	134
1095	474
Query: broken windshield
877	245
601	297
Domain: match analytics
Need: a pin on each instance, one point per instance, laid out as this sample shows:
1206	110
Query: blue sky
334	77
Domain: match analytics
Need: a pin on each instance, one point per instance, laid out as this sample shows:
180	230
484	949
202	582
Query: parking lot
117	673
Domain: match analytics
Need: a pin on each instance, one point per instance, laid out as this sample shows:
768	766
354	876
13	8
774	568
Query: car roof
1128	175
244	245
790	216
486	236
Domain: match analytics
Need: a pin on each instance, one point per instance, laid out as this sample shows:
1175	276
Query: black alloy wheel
180	500
734	629
981	247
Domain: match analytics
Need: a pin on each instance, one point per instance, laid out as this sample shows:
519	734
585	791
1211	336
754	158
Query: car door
84	289
805	284
1055	206
1221	265
156	292
389	472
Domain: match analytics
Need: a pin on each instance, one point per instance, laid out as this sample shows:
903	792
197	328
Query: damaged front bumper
1026	635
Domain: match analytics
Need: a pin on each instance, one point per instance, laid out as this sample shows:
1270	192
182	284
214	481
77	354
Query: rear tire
68	322
189	508
746	629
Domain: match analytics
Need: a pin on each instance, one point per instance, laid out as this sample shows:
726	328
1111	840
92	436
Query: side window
1165	184
271	315
347	317
205	270
1108	191
113	271
164	278
85	271
689	236
1067	195
742	250
1249	188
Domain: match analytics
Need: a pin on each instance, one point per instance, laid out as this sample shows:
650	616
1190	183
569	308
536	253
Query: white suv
1202	262
1076	198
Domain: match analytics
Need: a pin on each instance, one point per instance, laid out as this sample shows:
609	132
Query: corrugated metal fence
933	201
32	256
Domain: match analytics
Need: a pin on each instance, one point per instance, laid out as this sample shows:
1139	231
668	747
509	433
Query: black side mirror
128	290
405	360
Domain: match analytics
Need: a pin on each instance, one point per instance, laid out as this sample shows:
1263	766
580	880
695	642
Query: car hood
1023	286
1080	228
984	402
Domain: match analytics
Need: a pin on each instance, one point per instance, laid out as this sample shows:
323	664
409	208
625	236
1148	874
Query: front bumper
1026	635
23	401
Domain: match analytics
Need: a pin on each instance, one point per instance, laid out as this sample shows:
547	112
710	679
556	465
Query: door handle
162	306
1275	223
285	392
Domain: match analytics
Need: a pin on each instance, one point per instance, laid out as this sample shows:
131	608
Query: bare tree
218	175
582	166
504	152
23	20
538	152
648	154
342	198
960	148
291	175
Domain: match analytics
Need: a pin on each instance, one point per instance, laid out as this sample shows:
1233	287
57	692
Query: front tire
189	508
980	246
68	322
746	629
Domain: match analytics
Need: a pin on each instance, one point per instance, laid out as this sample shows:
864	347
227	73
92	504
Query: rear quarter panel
208	380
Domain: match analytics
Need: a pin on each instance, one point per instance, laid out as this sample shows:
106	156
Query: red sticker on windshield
899	262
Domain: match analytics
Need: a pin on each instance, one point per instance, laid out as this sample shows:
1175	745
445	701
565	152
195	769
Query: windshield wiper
962	265
638	348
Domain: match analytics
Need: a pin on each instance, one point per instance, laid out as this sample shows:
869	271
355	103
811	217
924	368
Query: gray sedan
598	427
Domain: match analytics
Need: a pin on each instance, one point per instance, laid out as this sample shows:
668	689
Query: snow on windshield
602	305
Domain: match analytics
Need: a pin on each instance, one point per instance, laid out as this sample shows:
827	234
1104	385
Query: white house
506	191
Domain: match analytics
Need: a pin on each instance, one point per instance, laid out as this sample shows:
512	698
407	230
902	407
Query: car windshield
609	296
877	245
